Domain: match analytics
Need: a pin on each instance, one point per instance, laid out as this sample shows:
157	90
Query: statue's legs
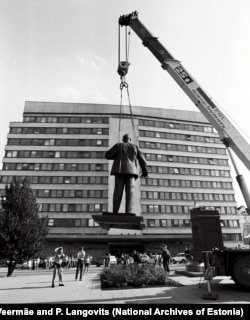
118	191
129	189
128	182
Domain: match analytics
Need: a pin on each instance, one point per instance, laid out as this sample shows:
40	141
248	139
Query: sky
67	51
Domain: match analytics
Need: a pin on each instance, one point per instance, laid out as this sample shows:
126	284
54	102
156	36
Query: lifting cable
122	71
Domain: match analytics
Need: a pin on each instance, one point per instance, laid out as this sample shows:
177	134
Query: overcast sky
67	51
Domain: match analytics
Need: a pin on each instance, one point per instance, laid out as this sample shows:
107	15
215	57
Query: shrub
136	275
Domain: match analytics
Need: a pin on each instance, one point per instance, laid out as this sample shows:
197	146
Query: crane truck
225	261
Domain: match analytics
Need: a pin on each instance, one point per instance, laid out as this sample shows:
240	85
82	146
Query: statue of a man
125	169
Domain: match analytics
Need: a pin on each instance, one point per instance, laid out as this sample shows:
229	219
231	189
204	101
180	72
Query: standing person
187	255
166	256
136	256
80	261
107	260
57	268
87	263
125	156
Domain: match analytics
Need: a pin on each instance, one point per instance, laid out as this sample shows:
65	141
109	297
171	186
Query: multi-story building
60	147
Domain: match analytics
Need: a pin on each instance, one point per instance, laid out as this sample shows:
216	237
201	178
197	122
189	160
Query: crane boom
228	133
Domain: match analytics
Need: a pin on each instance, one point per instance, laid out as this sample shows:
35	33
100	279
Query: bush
136	275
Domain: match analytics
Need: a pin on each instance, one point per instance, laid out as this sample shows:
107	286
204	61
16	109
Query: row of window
73	207
104	180
232	237
230	223
189	171
178	136
86	222
180	147
186	196
55	154
154	195
186	223
54	130
60	180
182	159
142	122
58	142
47	193
182	209
72	223
149	157
91	223
104	167
56	166
88	207
61	119
175	125
186	183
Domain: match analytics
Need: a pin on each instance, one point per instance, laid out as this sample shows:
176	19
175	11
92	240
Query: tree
22	231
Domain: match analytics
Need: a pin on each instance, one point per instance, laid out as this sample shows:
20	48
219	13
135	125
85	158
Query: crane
229	135
229	262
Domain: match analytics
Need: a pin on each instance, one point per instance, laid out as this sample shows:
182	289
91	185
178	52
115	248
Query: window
72	142
67	180
163	223
99	142
46	193
11	154
97	207
197	196
151	223
51	222
175	222
71	207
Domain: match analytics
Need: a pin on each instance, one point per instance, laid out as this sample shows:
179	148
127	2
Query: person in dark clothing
187	254
136	256
166	256
125	156
80	263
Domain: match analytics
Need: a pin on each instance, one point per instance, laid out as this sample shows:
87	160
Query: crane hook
123	68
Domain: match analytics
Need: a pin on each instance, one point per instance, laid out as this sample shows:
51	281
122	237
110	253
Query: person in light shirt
80	262
57	266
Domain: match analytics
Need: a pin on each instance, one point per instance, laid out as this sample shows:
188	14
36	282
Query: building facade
60	147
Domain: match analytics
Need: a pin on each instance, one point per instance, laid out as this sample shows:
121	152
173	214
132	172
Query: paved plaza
34	287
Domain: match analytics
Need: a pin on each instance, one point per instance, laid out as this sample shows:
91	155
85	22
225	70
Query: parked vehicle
180	258
144	258
24	265
112	260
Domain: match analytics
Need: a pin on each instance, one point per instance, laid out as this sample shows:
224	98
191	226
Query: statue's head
126	138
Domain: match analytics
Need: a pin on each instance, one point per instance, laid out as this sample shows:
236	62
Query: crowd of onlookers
135	256
143	257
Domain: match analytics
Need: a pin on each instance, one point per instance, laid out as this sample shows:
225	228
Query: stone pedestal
110	220
206	232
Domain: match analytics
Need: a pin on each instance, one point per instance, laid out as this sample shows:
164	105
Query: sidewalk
34	286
